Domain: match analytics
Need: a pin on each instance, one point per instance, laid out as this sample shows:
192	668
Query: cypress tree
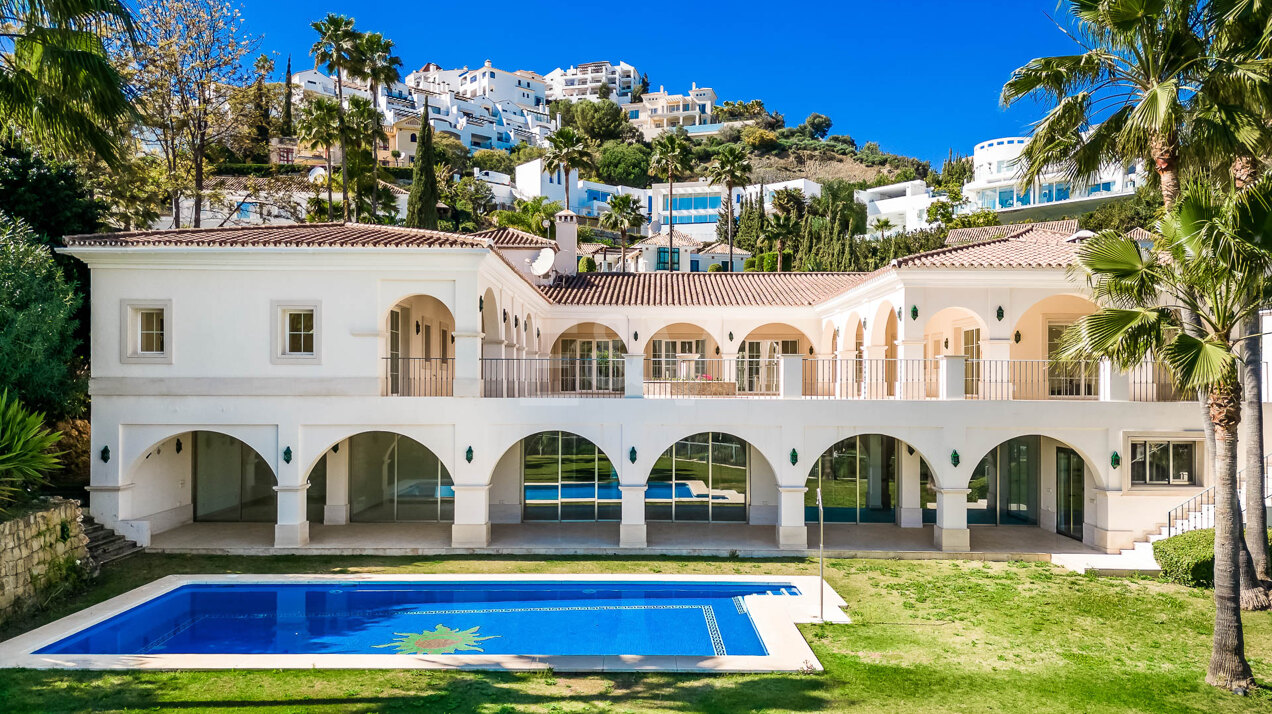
421	205
287	129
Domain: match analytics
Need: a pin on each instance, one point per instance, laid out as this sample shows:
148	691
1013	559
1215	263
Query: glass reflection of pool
701	619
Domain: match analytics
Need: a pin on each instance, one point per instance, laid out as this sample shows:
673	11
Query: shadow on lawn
459	692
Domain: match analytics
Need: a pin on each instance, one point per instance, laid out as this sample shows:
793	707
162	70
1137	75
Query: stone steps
105	545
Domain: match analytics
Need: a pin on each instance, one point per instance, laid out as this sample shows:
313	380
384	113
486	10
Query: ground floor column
472	516
336	511
792	532
909	498
291	530
950	533
632	531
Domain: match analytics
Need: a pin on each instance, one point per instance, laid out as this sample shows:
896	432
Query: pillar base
335	515
910	517
291	535
632	535
792	537
952	540
470	535
466	387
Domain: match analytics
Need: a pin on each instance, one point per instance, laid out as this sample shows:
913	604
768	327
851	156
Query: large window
395	478
1004	485
1068	379
567	478
231	481
1160	462
700	478
663	264
858	478
666	361
591	365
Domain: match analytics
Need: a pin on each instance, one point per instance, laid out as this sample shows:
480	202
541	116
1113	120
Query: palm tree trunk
375	149
1228	667
1256	532
1245	170
1165	154
344	155
622	254
331	215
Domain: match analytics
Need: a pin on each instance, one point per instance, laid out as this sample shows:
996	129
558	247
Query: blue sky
918	77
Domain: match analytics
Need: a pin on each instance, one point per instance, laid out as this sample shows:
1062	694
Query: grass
928	636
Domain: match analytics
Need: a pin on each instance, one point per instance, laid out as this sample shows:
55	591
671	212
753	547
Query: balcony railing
871	378
787	376
419	376
1030	379
672	377
537	377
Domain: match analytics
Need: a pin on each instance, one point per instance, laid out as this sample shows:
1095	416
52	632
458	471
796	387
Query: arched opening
492	331
704	477
387	477
560	476
760	353
231	482
589	357
957	331
420	334
870	478
1036	340
684	360
1032	480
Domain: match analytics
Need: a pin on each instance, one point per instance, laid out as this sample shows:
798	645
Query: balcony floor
700	539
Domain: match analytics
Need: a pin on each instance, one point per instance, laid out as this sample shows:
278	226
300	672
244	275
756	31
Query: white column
953	370
791	377
911	376
468	353
792	532
472	516
1115	386
336	510
632	530
909	500
292	527
634	376
950	533
874	374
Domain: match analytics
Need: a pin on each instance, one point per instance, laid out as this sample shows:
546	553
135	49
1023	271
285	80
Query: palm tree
783	227
319	125
58	88
532	216
883	225
791	201
731	168
379	66
364	133
567	150
624	213
337	47
1189	308
671	158
1145	70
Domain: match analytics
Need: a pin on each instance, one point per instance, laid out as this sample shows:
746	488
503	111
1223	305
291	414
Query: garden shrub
587	264
749	264
1188	558
715	268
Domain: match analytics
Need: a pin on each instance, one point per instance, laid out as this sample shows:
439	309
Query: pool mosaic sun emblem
440	640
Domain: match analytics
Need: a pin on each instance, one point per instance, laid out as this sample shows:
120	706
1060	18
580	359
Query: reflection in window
567	478
1161	462
395	478
858	478
700	478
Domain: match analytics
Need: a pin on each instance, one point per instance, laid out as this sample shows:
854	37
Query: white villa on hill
358	388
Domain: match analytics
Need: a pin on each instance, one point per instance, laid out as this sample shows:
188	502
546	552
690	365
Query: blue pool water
609	491
515	618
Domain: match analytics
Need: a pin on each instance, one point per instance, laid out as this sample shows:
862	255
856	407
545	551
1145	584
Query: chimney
567	238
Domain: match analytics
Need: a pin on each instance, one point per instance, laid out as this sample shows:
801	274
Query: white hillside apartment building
995	187
329	388
584	82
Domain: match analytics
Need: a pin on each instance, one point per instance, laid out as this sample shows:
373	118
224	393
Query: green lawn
940	636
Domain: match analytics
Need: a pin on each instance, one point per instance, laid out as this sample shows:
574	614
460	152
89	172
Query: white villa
355	388
585	80
995	187
659	111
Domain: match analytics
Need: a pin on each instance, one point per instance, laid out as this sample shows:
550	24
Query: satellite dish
542	265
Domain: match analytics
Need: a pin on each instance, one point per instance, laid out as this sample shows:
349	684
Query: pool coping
775	619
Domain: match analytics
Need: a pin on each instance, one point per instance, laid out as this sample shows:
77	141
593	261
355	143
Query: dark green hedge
1189	558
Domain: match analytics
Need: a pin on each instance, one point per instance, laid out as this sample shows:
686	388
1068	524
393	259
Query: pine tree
421	205
286	129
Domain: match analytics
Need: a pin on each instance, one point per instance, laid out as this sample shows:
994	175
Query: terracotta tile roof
340	235
244	184
681	240
722	248
962	236
393	188
1028	247
1141	235
505	237
603	249
705	289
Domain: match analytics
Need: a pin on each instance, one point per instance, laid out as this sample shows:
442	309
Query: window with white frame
144	335
297	332
1164	462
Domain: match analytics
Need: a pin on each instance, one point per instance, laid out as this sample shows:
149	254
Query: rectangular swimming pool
544	618
567	622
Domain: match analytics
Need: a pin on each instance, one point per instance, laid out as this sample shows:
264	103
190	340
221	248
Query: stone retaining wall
39	553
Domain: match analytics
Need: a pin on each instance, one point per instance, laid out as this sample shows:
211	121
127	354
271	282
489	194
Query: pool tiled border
775	619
